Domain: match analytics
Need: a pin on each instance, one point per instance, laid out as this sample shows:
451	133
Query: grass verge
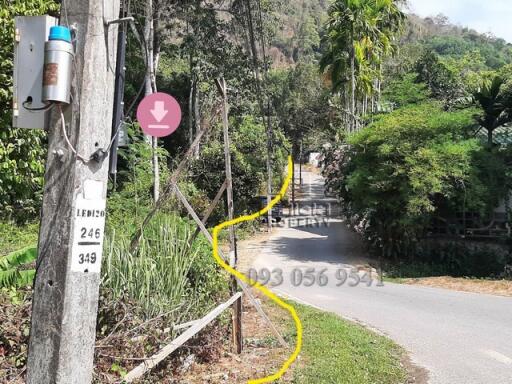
338	351
14	237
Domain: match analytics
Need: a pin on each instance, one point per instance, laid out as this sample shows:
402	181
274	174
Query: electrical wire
259	81
130	108
65	9
45	108
65	134
127	112
262	35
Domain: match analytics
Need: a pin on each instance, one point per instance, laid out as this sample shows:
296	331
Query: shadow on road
330	242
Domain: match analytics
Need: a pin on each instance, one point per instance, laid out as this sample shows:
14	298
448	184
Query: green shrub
456	259
166	272
404	91
15	268
14	237
134	180
397	173
248	155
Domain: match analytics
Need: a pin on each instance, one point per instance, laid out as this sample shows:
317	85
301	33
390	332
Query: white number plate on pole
89	218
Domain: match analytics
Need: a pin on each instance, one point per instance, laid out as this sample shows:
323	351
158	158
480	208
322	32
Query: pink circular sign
159	114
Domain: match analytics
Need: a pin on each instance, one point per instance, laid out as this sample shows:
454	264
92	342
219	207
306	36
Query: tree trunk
192	86
254	50
353	81
348	107
191	110
149	36
379	84
157	43
197	113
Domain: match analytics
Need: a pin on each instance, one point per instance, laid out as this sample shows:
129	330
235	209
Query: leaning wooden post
293	182
237	306
66	290
269	166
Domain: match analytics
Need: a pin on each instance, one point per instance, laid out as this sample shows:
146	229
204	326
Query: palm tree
391	20
339	58
496	104
359	34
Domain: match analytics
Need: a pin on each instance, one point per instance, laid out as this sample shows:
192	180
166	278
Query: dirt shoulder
491	287
250	249
262	355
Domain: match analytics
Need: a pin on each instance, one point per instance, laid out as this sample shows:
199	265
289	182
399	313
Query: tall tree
359	34
496	102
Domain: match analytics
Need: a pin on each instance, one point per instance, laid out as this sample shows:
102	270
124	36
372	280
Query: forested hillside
301	24
298	32
463	51
446	39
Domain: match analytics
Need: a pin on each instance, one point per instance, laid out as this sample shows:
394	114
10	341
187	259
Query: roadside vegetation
422	172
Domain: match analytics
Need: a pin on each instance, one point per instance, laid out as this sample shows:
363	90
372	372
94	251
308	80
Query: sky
482	15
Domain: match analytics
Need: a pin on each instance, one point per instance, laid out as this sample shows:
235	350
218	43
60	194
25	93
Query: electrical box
31	34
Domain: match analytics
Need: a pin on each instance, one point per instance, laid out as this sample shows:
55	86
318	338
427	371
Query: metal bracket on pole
120	21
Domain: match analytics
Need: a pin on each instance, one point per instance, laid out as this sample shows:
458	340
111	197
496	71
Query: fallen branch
124	358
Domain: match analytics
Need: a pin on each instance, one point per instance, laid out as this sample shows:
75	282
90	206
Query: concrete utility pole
237	306
65	303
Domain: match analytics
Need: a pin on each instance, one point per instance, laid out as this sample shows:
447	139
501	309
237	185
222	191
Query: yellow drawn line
257	285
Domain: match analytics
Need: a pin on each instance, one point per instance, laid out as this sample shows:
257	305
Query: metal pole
269	166
118	98
300	163
293	181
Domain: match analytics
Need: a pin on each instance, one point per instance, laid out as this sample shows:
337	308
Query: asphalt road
460	338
